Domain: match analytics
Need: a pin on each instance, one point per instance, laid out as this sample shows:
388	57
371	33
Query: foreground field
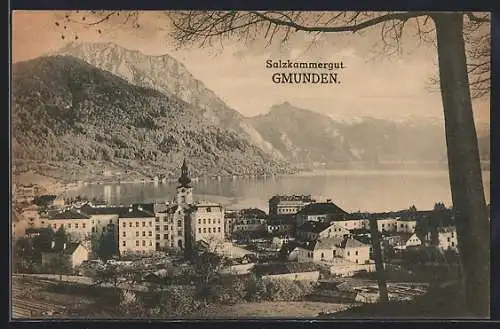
303	309
34	298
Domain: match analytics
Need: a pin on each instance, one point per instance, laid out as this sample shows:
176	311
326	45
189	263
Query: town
198	253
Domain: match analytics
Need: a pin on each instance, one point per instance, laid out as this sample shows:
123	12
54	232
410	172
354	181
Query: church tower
184	189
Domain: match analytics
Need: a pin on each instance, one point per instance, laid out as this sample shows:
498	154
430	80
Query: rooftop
314	227
59	247
329	243
322	208
136	213
70	214
291	197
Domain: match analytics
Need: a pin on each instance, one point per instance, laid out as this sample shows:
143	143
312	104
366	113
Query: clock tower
184	189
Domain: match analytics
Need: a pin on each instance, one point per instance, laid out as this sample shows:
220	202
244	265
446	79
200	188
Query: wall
302	276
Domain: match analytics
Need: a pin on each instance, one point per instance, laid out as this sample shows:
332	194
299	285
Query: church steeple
184	179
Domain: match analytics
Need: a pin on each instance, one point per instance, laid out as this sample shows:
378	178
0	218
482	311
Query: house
230	217
447	238
288	204
288	271
281	225
320	212
406	225
413	241
356	251
387	224
136	230
312	230
252	219
74	222
328	249
71	254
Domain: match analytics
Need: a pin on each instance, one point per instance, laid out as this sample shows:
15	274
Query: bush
287	290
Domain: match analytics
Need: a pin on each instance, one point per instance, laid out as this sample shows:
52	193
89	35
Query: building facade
288	204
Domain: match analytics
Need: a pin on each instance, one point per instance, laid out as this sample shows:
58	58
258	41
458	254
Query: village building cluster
298	228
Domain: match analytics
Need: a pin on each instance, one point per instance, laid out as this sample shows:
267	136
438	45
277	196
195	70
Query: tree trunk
471	215
379	262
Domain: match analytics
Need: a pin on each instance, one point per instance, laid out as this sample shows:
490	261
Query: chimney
52	244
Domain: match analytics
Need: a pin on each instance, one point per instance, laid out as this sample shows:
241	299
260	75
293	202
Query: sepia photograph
231	165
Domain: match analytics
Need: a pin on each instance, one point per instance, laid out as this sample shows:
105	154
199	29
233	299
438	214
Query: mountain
66	111
169	76
304	136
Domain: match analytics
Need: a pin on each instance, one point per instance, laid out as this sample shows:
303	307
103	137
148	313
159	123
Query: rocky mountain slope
169	76
65	110
306	136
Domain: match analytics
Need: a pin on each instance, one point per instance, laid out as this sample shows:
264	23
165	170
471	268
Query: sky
372	84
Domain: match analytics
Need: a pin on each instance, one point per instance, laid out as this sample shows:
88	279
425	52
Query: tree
469	204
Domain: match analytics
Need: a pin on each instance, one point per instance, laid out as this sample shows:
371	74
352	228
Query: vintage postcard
250	164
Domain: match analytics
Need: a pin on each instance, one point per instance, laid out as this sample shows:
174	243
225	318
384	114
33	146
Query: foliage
62	106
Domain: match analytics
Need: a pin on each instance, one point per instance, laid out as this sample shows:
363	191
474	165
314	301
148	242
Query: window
199	221
137	243
157	219
130	224
143	233
356	261
453	244
218	221
157	227
143	243
143	224
209	230
124	243
150	243
136	233
356	253
165	227
76	225
150	233
218	229
209	221
322	255
157	237
204	221
93	229
208	209
136	224
179	232
69	225
124	234
92	222
111	221
179	223
150	224
124	225
165	236
83	225
199	230
449	239
452	234
348	253
204	230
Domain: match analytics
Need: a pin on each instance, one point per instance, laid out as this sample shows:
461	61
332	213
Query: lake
352	190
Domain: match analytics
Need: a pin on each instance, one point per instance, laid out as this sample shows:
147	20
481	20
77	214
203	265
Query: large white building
186	221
